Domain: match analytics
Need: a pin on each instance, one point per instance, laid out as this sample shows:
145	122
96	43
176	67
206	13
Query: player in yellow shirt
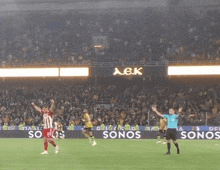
87	131
60	130
162	130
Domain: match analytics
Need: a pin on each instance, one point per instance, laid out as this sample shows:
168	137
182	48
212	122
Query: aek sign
129	71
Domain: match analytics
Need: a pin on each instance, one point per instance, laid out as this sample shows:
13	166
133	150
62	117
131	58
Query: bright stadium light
193	70
29	72
74	72
98	46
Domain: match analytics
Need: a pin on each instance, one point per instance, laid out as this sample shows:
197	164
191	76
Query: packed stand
126	101
54	37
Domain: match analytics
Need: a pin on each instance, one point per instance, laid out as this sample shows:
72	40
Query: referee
172	120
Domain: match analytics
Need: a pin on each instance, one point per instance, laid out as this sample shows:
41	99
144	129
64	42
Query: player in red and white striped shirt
48	125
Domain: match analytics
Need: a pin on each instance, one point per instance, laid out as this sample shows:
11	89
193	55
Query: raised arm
155	110
36	107
179	111
52	107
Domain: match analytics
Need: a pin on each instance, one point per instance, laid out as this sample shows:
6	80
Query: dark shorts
163	132
171	134
88	130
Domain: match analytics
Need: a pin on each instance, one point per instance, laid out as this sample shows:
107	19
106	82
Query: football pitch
108	154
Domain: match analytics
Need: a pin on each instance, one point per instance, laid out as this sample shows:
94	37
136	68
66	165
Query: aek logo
128	71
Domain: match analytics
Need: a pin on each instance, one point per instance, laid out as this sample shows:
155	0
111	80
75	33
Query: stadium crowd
48	38
53	37
125	101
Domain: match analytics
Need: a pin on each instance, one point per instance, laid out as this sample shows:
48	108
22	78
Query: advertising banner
78	134
141	128
199	135
13	134
208	135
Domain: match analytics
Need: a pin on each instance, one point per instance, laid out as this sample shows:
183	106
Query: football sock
164	139
87	136
168	147
45	146
53	143
158	137
177	146
92	137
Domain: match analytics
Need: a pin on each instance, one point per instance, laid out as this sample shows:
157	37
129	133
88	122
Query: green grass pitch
108	154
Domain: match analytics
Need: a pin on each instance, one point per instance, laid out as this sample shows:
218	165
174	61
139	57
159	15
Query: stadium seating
50	37
128	102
